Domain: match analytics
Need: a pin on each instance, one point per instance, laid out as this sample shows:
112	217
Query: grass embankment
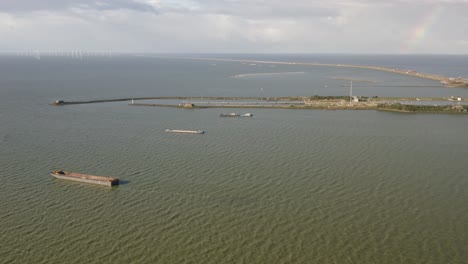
402	108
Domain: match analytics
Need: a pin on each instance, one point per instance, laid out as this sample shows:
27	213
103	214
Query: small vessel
185	131
236	115
72	176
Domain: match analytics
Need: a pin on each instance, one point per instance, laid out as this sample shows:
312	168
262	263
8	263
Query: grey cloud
256	9
9	6
367	26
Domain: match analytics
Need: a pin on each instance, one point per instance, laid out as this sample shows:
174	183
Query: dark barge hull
99	180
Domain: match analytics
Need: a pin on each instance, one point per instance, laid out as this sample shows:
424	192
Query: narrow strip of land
399	104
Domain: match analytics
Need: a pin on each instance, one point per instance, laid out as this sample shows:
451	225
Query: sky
236	26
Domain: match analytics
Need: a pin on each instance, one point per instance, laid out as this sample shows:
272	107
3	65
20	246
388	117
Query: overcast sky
236	26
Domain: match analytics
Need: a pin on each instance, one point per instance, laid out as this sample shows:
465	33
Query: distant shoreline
446	81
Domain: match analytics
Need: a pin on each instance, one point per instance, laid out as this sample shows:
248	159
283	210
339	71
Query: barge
72	176
185	131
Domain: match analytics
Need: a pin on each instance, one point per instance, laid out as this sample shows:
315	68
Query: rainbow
420	30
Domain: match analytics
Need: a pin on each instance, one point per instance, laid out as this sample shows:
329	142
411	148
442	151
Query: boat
236	115
72	176
185	131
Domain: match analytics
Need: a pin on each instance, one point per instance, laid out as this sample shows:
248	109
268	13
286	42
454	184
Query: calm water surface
285	186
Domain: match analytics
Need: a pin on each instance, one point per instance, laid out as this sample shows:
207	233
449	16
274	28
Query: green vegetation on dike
424	108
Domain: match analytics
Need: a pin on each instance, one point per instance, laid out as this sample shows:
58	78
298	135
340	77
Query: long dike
332	103
61	102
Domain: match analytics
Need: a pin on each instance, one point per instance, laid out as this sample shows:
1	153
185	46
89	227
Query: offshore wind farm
74	54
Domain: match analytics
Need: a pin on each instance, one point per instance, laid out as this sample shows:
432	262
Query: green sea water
285	186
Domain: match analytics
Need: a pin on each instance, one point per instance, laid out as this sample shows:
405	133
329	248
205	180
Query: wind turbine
37	55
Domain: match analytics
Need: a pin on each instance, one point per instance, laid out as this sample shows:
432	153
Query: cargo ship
72	176
236	115
185	131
